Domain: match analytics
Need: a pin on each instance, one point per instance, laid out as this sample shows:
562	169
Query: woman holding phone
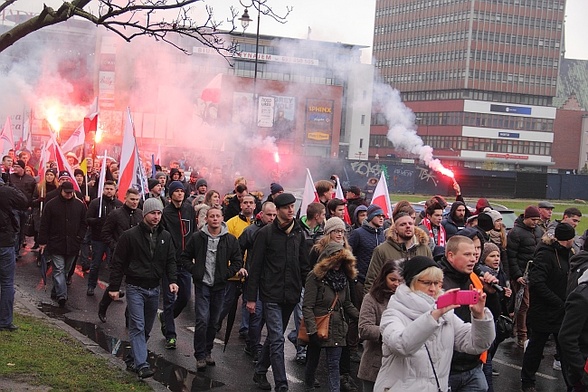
418	339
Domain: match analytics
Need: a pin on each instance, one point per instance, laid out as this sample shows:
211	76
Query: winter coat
181	223
369	330
578	264
10	199
117	222
451	227
143	255
97	223
228	256
279	264
521	244
548	279
319	296
247	238
311	236
26	184
63	226
363	241
573	334
407	326
577	246
391	249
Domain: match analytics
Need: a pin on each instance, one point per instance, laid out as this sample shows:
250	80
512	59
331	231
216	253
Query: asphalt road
176	369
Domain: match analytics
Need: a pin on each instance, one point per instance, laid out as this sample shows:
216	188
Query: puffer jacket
391	249
520	248
407	326
548	280
319	296
363	241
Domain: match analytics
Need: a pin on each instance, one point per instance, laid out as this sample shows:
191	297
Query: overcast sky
350	21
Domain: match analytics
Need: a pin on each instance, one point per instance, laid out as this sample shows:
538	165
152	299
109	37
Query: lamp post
245	20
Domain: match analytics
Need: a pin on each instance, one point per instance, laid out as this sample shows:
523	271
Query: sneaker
170	343
146	372
90	292
256	357
209	361
495	373
282	388
161	321
9	327
556	365
261	381
200	364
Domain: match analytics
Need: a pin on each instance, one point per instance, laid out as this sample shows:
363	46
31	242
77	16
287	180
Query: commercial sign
265	112
510	109
260	56
508	156
319	119
512	135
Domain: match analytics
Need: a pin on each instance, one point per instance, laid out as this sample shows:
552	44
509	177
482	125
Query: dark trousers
533	356
313	354
174	304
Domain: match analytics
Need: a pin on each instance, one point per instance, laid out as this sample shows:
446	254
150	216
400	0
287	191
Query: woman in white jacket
418	339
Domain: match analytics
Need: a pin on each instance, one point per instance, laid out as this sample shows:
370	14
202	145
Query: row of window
461	55
458	143
490	76
480	95
453	18
285	72
425	5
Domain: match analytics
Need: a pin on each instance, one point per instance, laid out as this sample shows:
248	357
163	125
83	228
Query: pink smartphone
461	297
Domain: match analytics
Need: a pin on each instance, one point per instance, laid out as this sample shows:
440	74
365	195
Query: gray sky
350	21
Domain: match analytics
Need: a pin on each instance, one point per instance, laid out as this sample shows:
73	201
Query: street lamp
245	20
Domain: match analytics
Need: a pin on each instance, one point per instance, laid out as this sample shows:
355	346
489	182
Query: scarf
335	279
440	240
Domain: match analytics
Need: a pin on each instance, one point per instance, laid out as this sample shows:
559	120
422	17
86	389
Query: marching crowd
360	287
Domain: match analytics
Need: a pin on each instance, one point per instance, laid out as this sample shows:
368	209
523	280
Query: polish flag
77	138
131	171
91	120
339	195
310	195
62	163
6	137
101	181
382	196
212	91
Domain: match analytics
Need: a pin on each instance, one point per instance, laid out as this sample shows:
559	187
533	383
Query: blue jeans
173	304
272	353
99	249
468	381
293	335
313	354
254	324
207	308
142	306
7	268
61	266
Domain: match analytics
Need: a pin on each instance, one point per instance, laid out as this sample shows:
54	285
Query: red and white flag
382	196
62	163
310	195
91	120
6	137
131	171
339	195
158	156
77	138
101	182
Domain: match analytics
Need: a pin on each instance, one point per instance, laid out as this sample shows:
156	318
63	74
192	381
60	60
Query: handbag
504	327
28	228
322	324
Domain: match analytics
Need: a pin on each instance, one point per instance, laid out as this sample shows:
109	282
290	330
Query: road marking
546	376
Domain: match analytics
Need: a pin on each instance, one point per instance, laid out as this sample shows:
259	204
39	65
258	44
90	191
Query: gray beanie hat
160	174
152	204
334	223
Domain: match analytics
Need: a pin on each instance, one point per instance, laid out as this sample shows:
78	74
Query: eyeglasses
430	282
338	231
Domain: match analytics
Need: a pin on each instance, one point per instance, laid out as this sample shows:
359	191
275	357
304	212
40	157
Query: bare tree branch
6	4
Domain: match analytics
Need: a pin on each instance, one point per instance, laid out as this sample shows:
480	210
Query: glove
314	340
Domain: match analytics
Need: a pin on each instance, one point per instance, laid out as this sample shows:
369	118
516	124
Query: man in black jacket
212	256
117	222
98	211
179	219
279	266
458	265
10	199
521	243
143	255
547	290
63	226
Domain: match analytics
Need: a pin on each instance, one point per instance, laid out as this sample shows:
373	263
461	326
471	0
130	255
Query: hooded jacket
391	249
143	255
449	223
521	244
63	226
547	286
10	198
578	265
278	264
363	241
118	221
228	256
407	326
319	296
97	223
181	223
26	184
573	334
